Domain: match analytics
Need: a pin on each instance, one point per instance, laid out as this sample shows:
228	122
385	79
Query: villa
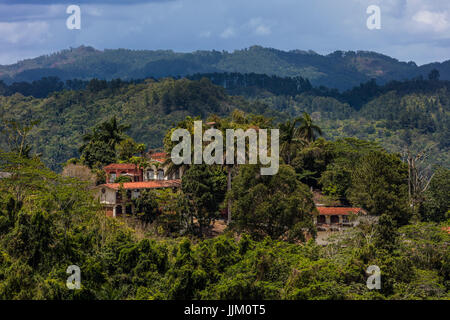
116	198
336	217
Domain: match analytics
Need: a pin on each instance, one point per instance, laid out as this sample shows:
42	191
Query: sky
411	30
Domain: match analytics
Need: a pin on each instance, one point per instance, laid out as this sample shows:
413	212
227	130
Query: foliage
379	184
436	206
275	206
204	188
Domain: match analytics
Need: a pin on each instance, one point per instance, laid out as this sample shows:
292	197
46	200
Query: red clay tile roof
121	166
446	229
338	211
144	185
158	155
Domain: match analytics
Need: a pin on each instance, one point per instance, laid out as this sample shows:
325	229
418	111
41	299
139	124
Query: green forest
383	148
409	115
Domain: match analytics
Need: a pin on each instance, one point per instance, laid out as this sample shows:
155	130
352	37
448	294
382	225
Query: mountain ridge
339	69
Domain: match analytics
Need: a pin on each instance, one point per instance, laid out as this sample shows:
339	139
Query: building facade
116	198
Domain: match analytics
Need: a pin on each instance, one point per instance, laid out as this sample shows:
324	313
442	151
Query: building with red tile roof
116	170
339	211
116	202
155	184
336	215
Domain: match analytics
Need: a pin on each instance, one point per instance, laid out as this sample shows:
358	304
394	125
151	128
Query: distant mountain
340	69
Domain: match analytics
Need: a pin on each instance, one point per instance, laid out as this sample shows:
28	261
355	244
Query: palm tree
308	130
289	135
110	132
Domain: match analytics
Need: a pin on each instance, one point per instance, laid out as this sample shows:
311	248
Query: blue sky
417	30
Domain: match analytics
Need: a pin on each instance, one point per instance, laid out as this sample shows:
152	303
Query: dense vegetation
340	69
48	222
404	115
169	249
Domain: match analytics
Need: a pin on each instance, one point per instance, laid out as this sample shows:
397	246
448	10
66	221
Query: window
150	175
177	174
112	177
334	219
160	174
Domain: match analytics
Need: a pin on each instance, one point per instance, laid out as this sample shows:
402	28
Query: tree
99	147
434	75
98	153
308	130
204	188
436	205
379	184
17	135
290	136
386	234
146	205
128	148
275	206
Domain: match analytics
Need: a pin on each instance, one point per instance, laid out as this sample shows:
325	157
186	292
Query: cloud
228	33
416	30
437	21
23	33
259	27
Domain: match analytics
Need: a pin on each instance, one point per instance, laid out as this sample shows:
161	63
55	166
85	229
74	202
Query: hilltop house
116	202
155	176
116	170
335	217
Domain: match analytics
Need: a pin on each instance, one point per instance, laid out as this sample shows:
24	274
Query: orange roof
121	166
338	211
158	155
446	229
144	185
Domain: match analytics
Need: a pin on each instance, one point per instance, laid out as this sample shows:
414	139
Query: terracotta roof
158	155
155	184
121	166
338	211
446	229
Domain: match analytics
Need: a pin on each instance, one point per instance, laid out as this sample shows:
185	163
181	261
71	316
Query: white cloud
23	32
437	21
228	33
259	27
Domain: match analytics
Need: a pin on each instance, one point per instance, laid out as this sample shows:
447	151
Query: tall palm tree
289	135
308	130
110	132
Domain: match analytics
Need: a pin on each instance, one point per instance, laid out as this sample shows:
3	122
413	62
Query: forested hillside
399	115
168	249
340	69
